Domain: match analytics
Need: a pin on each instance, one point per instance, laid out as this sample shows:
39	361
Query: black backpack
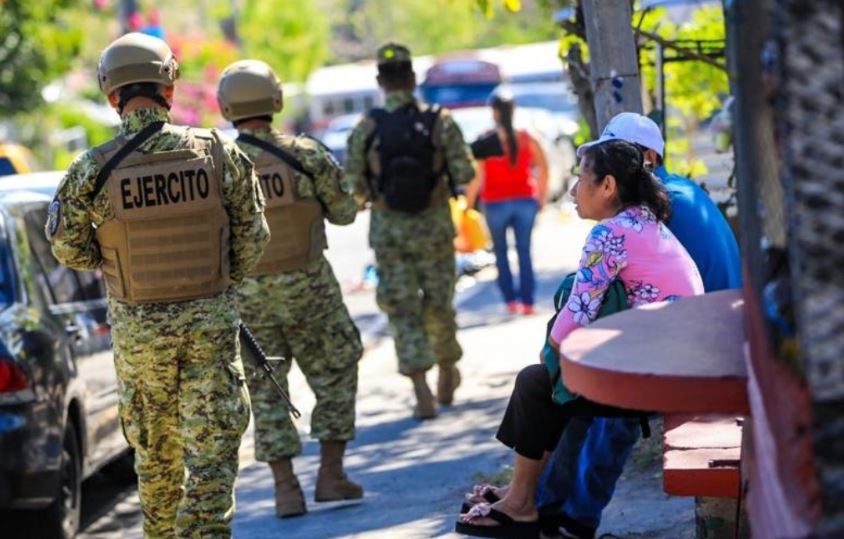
406	153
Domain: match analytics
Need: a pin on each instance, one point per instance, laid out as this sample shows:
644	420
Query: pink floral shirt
636	248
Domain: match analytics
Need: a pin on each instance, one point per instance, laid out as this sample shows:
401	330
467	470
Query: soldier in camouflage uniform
172	225
292	300
414	251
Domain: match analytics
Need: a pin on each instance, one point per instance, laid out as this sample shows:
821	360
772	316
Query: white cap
630	127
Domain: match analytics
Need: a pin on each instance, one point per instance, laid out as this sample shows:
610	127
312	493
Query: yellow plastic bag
472	233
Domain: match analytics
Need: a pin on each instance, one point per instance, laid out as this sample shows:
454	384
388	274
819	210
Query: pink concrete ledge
681	357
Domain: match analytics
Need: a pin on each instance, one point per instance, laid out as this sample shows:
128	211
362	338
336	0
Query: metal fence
787	71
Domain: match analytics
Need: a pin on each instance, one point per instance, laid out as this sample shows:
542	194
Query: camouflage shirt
390	228
75	245
311	291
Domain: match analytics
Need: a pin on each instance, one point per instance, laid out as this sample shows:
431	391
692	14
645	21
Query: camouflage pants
327	350
416	290
184	407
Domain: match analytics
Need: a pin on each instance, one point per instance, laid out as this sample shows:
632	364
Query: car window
59	283
7	275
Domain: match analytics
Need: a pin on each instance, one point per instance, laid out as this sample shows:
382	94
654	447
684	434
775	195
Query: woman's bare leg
518	502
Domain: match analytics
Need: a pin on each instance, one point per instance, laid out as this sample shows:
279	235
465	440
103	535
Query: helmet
133	58
249	88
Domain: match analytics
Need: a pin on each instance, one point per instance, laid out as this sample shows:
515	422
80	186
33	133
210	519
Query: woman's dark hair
503	103
635	184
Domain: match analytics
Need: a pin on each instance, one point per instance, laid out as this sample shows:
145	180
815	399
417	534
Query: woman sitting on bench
630	243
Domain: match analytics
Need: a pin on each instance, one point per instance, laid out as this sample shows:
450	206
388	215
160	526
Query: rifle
261	360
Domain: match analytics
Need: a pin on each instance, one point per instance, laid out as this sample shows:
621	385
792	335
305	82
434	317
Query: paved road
415	473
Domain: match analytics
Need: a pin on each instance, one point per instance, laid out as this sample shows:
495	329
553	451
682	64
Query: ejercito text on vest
272	184
184	185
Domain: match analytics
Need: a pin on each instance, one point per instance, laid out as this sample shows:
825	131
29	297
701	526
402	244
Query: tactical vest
169	238
297	225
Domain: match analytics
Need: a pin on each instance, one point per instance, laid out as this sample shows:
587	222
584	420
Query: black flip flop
507	527
489	497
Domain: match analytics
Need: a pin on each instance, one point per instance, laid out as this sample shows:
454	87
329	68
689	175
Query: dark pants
520	215
533	423
580	477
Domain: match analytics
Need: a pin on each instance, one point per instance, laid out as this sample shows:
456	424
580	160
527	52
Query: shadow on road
404	465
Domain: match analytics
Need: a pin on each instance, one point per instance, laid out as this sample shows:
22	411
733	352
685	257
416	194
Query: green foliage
436	26
290	35
696	88
44	127
693	89
198	57
488	9
36	44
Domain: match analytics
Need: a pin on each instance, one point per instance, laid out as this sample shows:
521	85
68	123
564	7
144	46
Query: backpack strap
432	116
377	116
142	136
291	161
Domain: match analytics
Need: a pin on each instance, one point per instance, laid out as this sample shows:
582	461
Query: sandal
507	528
487	492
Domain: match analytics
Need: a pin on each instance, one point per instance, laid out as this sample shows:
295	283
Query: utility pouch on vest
169	238
297	225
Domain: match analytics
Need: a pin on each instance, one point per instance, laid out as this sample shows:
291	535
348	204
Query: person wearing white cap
633	128
579	479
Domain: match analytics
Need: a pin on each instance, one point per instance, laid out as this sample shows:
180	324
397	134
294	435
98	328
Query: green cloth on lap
614	301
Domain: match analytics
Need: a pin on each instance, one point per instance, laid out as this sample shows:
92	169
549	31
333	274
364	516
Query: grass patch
647	454
499	477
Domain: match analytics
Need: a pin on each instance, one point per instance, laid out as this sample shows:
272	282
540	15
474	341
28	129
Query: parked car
16	159
336	134
555	97
58	389
559	150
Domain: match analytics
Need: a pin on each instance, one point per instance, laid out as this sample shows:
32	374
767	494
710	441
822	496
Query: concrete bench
701	455
684	360
680	357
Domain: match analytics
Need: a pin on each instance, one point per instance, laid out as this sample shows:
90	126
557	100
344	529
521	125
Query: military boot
425	408
289	499
448	381
332	482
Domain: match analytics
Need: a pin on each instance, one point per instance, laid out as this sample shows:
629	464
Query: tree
432	26
694	84
290	36
36	45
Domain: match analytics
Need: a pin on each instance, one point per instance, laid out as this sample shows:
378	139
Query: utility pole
229	24
125	8
614	64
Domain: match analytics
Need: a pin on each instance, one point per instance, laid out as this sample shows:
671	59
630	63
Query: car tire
122	469
61	518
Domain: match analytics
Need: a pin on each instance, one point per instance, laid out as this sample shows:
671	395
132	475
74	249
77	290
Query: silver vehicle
337	132
555	97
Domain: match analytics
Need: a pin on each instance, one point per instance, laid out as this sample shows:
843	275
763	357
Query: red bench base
701	455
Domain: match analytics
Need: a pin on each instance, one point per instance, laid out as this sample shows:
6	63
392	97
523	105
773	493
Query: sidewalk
415	473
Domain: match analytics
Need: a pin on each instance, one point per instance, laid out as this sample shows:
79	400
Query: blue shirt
702	229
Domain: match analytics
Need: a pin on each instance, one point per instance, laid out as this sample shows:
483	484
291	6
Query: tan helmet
249	88
136	57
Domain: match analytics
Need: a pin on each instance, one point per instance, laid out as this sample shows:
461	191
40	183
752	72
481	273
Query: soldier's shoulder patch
54	217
